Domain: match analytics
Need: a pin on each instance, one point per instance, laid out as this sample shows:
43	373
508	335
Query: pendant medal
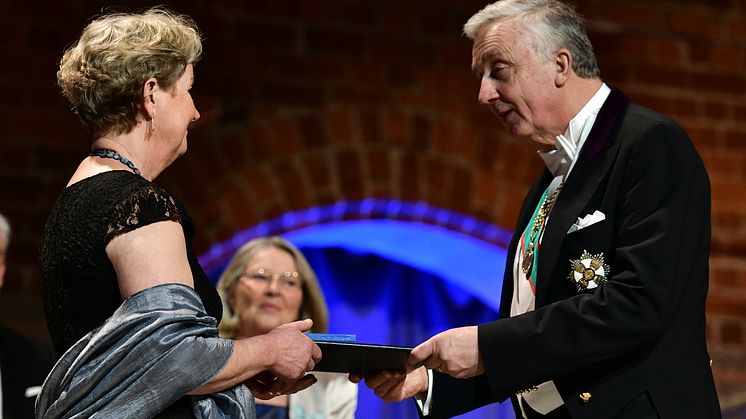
528	260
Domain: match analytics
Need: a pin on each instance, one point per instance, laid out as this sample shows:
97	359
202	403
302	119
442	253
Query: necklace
111	154
539	219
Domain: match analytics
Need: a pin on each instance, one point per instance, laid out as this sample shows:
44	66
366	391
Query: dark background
309	102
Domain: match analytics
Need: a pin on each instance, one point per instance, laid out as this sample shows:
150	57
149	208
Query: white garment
424	404
560	162
333	396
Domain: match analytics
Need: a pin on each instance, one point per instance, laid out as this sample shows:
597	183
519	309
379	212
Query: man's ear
563	67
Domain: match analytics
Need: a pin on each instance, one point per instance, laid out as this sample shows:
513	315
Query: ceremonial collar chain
111	154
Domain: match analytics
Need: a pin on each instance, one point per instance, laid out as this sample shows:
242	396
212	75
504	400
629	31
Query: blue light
472	265
381	209
392	272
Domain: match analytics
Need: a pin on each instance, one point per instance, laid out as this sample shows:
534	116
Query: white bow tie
560	159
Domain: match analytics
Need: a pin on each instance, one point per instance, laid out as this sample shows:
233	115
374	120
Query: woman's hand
271	364
293	353
266	386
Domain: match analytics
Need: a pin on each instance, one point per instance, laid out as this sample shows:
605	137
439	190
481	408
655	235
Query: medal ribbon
532	235
528	239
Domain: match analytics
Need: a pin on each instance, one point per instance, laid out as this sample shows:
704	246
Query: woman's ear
148	97
563	67
231	299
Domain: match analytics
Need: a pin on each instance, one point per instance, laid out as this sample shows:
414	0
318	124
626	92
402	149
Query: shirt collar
560	160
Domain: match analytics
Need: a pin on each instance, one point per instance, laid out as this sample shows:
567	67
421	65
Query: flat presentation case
361	358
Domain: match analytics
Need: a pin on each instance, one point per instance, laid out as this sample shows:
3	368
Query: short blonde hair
103	73
313	305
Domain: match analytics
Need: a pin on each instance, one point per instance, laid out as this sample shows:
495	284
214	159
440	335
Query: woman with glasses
269	283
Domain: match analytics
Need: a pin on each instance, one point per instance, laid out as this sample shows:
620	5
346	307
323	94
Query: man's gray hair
552	23
5	230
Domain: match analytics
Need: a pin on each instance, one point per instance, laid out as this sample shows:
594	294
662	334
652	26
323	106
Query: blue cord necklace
111	154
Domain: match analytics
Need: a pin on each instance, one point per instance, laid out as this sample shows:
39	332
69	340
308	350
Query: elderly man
603	300
24	363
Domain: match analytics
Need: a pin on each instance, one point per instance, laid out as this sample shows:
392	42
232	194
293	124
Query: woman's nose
273	285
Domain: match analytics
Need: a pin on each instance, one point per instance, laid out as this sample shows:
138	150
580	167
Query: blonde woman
269	283
128	307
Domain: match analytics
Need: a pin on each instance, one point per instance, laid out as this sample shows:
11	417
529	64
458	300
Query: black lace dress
79	284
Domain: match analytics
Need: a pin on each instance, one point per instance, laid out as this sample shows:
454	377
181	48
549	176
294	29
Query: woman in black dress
125	299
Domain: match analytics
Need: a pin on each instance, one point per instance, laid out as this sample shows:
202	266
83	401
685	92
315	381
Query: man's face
517	85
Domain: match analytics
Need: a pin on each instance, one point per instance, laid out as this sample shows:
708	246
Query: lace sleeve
145	205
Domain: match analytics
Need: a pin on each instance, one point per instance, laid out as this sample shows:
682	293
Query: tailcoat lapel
594	162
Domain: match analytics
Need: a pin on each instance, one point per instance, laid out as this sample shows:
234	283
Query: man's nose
487	92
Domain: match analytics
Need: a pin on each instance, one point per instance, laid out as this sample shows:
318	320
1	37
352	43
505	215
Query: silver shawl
156	347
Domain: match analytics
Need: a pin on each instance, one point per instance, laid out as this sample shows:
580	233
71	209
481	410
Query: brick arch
274	163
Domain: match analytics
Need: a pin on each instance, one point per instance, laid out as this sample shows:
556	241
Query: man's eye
497	72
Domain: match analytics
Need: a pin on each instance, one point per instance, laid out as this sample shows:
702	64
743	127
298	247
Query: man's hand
395	386
454	352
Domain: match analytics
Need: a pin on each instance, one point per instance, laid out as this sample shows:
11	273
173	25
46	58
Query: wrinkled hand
454	352
293	353
266	386
395	386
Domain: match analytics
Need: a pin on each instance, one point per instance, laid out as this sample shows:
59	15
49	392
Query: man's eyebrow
487	57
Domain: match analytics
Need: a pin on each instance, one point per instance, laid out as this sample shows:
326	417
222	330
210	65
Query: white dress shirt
545	397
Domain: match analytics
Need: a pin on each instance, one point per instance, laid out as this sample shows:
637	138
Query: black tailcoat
641	332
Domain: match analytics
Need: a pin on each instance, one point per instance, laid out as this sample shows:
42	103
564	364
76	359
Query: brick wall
307	102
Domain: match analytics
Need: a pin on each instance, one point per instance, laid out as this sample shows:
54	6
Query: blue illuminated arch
392	272
464	262
369	209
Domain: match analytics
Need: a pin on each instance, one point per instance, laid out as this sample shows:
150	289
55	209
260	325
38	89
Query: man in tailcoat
603	299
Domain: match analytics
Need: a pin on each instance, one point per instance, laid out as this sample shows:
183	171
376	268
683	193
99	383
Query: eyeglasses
287	280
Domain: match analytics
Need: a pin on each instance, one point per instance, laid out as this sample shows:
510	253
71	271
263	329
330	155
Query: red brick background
308	102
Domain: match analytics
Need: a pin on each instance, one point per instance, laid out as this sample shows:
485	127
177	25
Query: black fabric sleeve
146	204
454	396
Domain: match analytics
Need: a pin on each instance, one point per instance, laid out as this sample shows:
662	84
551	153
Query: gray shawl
156	347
